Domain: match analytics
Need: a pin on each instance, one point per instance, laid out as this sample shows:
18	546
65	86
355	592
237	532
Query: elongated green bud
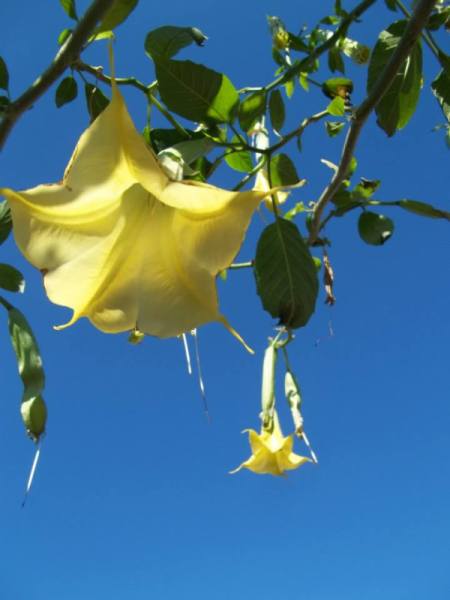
268	386
34	416
292	391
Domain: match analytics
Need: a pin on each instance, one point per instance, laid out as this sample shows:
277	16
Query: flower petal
124	246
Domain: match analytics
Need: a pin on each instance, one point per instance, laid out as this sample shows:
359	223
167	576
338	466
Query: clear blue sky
132	498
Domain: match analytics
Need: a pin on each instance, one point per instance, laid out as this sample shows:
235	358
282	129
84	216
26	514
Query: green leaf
95	99
5	221
70	8
63	36
4	75
441	89
296	43
285	273
342	197
278	57
11	279
391	4
294	211
282	171
333	128
66	91
160	139
335	62
103	35
336	108
239	161
201	169
196	92
351	167
366	188
423	209
251	110
276	110
375	229
398	104
4	103
438	19
116	15
167	41
289	88
191	150
29	360
303	81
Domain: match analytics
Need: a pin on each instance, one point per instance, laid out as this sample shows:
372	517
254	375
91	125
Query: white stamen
199	372
32	472
187	353
311	451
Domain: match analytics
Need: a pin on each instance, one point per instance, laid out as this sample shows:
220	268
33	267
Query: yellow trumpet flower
124	246
271	452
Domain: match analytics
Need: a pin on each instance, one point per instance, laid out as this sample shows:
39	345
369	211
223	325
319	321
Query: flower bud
34	416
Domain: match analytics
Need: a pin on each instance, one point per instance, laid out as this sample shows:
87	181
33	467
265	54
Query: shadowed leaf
286	276
398	104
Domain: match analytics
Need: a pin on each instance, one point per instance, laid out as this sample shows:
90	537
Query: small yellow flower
122	244
271	452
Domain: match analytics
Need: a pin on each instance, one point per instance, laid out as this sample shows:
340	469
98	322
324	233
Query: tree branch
382	85
308	61
298	131
66	55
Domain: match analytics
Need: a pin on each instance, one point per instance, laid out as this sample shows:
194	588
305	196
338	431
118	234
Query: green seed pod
292	391
337	86
268	386
34	416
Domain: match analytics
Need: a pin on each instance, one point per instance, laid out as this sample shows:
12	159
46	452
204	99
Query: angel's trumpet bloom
120	243
271	452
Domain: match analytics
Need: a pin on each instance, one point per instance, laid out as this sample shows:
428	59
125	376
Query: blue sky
132	498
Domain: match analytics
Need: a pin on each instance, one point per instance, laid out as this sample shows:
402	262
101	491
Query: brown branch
66	55
413	30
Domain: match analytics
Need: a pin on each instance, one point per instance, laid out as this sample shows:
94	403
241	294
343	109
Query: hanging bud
292	391
34	416
338	87
280	36
268	387
359	53
136	337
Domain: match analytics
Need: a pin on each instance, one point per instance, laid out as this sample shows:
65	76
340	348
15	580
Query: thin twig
382	85
133	82
304	124
249	175
98	73
67	54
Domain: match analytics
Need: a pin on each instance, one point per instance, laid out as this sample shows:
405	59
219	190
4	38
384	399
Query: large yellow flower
271	452
120	243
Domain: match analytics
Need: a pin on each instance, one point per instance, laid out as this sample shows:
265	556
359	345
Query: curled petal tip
236	334
73	320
